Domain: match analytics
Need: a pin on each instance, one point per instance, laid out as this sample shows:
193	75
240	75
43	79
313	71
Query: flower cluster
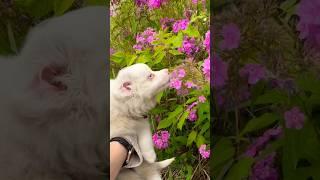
192	108
203	152
145	39
206	42
152	4
161	139
177	82
265	169
220	72
193	115
263	140
254	72
231	37
309	23
180	25
206	68
294	118
189	46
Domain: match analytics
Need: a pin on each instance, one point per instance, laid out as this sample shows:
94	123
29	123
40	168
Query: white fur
147	171
47	134
127	107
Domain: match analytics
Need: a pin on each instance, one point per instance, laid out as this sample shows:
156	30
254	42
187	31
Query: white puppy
53	101
132	95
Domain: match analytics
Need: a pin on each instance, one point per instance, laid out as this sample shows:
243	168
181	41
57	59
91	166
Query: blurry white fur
52	125
147	171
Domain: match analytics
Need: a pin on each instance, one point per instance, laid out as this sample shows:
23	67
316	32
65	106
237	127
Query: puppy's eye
151	76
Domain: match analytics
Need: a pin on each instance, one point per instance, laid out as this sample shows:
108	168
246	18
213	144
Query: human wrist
125	146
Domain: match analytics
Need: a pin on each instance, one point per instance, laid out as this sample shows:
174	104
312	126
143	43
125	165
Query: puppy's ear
48	78
126	88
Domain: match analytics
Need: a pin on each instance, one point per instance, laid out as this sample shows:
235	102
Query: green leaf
205	127
160	57
260	122
302	144
142	59
200	140
159	96
286	5
176	112
241	169
61	6
182	119
177	41
308	82
165	123
192	136
96	3
181	139
271	97
131	61
189	172
118	58
35	8
175	52
223	151
169	120
191	100
290	154
192	31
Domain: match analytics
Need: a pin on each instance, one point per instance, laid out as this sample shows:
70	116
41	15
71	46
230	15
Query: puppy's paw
149	156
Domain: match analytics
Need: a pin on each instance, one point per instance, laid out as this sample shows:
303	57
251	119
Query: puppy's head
137	86
62	103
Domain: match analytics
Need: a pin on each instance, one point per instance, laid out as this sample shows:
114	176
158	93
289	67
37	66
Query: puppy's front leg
146	144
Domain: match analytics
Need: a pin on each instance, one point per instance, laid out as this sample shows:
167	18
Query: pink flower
190	84
206	68
112	51
154	4
145	39
141	2
181	73
203	152
180	25
138	47
231	37
294	118
161	139
254	72
220	72
193	115
263	140
195	1
189	46
192	105
265	169
206	42
309	22
201	99
175	83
